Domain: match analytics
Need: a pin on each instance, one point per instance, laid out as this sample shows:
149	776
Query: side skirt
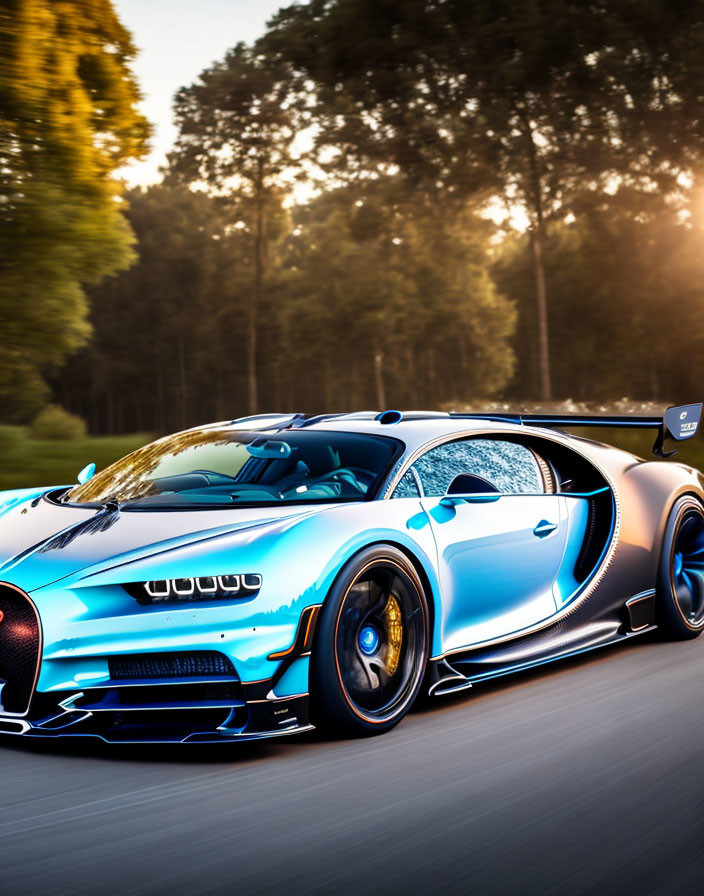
459	671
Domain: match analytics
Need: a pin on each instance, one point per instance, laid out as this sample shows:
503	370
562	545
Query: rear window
511	467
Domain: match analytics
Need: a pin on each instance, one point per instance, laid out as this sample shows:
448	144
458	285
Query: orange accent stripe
312	613
311	618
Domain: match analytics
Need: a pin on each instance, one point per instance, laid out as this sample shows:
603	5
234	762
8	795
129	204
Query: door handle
544	528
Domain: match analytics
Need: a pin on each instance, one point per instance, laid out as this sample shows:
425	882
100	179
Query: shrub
10	437
54	423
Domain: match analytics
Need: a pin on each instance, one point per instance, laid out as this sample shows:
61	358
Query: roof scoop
389	418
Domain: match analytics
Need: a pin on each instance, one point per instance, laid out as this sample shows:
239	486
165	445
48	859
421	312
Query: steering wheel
347	476
213	476
364	476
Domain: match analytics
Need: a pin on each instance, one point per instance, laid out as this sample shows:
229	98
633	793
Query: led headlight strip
202	588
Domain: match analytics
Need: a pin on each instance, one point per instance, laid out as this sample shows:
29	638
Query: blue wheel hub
688	566
368	640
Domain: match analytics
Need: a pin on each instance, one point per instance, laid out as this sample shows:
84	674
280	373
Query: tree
236	133
372	298
162	352
539	98
68	121
628	309
392	297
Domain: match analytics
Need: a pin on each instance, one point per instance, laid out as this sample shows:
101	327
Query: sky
177	39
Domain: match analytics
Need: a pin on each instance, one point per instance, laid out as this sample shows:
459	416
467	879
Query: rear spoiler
679	423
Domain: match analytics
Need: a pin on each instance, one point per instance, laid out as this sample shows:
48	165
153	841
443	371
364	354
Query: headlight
203	588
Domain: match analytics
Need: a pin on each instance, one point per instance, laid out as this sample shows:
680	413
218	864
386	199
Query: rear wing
679	423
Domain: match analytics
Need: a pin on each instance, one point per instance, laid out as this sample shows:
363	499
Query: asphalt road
585	777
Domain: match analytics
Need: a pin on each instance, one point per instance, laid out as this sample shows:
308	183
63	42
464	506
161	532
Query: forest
377	204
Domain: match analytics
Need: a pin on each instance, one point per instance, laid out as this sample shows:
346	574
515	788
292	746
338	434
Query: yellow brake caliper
394	633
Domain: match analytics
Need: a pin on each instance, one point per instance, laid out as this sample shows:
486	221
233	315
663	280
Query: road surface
587	776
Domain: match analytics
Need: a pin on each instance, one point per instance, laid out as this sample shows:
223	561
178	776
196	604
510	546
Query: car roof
413	428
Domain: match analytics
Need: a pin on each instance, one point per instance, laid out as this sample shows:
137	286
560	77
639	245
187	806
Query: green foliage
237	125
393	299
540	100
169	330
68	120
370	301
387	287
55	424
543	99
627	318
10	437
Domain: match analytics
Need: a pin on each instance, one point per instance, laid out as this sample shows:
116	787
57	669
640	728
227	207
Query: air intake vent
389	418
171	665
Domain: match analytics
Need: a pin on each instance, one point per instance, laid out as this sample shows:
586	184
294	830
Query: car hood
41	541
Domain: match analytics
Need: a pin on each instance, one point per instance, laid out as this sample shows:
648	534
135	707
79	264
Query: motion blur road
586	776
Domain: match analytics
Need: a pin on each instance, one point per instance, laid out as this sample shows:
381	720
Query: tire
680	602
371	645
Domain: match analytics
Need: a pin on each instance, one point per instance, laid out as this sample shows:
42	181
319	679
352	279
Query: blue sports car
257	577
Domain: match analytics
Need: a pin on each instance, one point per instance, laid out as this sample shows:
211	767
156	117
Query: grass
640	442
26	462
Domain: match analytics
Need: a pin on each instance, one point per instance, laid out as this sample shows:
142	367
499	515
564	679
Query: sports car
266	575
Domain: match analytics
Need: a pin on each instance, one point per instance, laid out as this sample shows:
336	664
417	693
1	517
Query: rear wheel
371	644
681	575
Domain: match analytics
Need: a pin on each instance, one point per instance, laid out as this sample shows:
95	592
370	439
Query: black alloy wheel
681	577
371	644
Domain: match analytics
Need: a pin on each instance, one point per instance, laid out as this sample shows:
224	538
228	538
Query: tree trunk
252	385
431	395
161	404
183	382
328	402
111	413
411	378
537	242
252	381
534	194
654	383
379	380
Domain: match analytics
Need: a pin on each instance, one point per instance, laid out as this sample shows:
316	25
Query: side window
407	487
512	468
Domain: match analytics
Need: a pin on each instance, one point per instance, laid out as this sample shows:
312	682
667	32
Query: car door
498	559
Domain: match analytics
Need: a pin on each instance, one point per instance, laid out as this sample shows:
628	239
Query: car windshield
222	466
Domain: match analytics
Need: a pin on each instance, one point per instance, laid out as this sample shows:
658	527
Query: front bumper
143	682
253	720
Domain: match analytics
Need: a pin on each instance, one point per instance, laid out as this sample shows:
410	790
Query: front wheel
681	574
371	644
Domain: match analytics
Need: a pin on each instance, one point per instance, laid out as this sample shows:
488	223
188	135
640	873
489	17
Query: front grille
170	665
227	693
20	646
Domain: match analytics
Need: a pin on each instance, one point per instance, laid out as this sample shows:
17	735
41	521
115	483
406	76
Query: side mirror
471	489
86	474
